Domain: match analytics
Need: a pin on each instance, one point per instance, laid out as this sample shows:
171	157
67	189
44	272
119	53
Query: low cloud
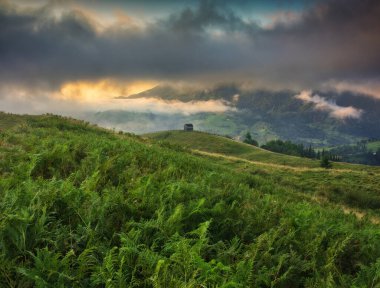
21	100
370	87
283	18
334	110
173	106
235	98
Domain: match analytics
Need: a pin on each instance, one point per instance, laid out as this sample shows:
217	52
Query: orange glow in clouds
88	91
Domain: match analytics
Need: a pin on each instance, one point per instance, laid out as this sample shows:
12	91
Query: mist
334	110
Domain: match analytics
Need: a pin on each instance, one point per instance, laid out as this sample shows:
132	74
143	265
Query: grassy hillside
349	184
8	121
223	145
84	207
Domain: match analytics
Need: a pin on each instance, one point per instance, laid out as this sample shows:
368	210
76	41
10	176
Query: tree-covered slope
85	207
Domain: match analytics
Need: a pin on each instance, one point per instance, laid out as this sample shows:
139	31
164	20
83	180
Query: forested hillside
82	206
363	152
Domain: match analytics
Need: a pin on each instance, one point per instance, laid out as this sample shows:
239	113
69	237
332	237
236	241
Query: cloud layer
207	42
19	101
332	108
367	87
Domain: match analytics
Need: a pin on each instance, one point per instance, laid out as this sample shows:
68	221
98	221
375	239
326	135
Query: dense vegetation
290	148
363	152
85	207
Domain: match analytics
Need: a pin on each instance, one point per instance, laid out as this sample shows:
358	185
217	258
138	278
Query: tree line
289	148
359	153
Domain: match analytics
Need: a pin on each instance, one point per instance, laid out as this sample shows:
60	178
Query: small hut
188	127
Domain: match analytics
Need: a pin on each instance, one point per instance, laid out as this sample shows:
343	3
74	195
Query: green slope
8	120
223	145
84	207
352	185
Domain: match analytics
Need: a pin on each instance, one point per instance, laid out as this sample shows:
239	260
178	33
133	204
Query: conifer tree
249	140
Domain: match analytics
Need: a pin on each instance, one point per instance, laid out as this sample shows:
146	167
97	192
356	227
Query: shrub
325	162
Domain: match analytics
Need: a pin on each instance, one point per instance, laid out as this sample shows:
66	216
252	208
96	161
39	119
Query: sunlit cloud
334	110
96	91
283	18
81	96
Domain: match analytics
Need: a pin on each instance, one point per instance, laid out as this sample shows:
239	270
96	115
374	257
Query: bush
325	162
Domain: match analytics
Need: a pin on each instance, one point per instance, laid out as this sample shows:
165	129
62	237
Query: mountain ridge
266	114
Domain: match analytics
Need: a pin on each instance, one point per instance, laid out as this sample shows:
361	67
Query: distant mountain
166	92
163	92
266	114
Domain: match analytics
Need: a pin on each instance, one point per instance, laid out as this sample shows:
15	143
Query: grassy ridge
84	207
218	144
222	145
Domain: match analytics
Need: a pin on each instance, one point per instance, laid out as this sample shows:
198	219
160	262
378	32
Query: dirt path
347	210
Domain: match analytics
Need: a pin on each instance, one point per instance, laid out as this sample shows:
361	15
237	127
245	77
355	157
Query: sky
70	55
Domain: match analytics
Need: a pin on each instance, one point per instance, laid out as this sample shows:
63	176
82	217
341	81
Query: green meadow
82	206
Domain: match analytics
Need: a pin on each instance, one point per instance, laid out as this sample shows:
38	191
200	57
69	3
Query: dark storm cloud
35	46
209	14
333	40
